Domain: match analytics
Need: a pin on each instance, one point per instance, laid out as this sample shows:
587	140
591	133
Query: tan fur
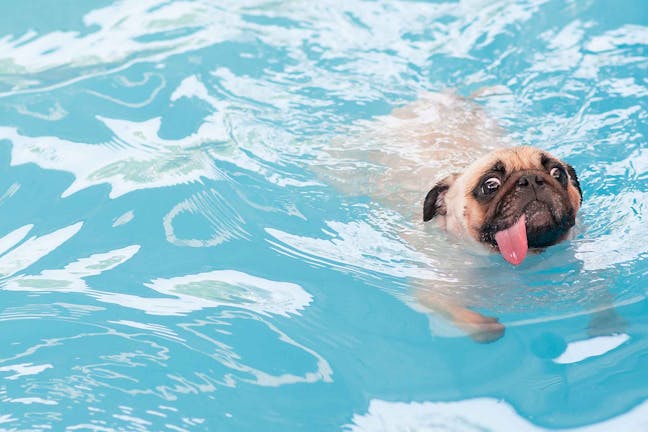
464	216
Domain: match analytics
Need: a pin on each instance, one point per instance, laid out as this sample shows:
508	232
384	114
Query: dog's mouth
535	228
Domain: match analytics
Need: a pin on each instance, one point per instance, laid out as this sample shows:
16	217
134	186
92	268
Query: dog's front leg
480	328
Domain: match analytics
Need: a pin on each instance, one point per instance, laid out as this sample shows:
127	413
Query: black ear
434	203
574	180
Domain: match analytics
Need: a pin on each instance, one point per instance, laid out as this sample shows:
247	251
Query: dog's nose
530	180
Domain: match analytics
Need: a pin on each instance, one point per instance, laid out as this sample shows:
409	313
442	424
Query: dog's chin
542	229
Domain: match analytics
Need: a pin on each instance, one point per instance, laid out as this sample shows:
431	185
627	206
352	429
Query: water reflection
31	250
126	170
225	223
182	295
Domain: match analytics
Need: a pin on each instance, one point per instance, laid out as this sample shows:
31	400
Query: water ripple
224	222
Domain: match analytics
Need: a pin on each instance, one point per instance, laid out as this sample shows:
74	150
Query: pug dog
501	198
512	201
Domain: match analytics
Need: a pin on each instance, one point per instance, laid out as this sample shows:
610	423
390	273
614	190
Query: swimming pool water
171	260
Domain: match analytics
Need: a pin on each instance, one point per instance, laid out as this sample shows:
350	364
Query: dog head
511	200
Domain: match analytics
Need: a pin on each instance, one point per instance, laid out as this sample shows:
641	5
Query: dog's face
511	200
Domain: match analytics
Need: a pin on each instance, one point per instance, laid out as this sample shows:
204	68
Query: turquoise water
172	261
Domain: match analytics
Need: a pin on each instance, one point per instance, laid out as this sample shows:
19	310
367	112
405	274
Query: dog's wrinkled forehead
514	159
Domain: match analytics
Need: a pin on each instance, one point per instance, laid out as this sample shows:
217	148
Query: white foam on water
473	415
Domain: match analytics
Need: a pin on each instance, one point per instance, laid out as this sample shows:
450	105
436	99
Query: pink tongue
512	242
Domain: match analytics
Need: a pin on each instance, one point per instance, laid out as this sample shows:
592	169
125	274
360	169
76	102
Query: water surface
171	259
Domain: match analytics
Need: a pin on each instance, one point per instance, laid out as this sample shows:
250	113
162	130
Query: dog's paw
480	328
488	332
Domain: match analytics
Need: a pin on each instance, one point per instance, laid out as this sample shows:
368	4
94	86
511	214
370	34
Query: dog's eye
491	185
557	172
